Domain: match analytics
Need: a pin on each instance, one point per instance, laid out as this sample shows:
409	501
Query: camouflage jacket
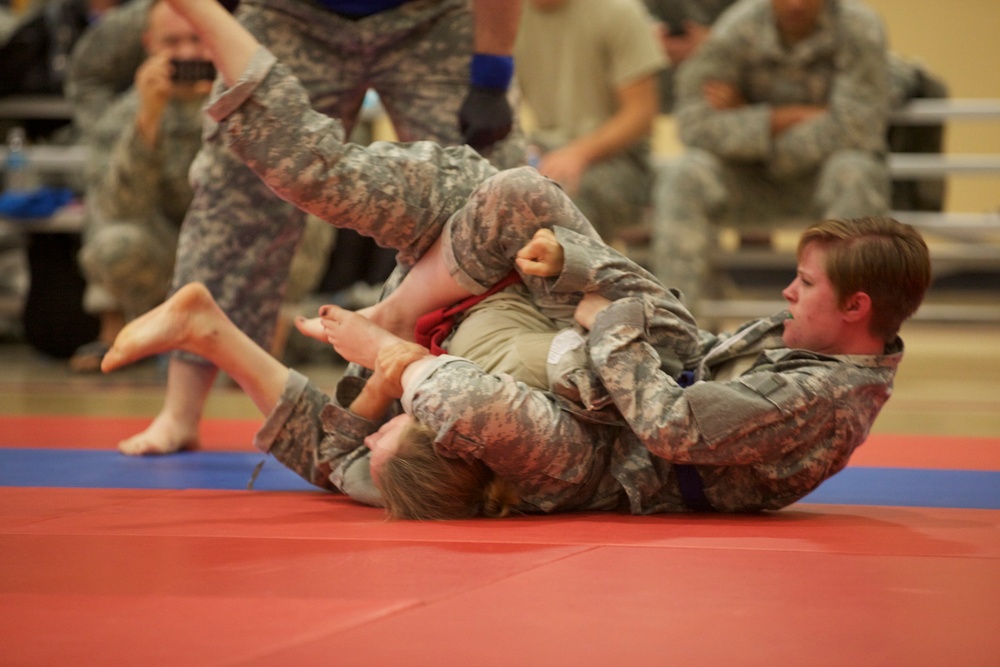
128	180
760	440
844	66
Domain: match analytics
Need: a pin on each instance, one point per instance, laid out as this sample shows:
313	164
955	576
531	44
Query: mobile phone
190	71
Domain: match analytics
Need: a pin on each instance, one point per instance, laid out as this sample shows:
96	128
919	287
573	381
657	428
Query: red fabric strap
434	327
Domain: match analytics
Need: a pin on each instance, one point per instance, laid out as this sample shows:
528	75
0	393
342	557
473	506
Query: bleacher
961	242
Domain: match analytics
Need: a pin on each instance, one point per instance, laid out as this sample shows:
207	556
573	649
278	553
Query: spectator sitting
587	70
783	111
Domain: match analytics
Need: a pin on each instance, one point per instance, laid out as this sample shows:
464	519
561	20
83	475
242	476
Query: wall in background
960	42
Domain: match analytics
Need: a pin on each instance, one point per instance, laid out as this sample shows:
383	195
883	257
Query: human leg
430	43
192	321
688	192
614	194
853	184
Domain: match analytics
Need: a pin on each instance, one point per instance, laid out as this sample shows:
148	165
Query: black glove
485	117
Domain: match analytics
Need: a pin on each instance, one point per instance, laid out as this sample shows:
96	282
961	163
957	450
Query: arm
123	169
857	109
638	105
732	131
521	434
758	417
485	116
582	264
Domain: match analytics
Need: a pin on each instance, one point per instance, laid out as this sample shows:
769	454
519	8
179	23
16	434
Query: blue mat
973	489
76	468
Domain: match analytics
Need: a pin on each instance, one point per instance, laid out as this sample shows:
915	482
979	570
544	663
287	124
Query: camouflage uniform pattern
732	168
761	440
136	201
239	238
103	62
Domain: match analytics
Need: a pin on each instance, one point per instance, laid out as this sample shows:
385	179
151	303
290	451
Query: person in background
681	25
441	68
137	179
587	70
782	111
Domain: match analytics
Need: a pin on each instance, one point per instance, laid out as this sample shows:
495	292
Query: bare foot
166	435
174	324
395	320
354	336
311	327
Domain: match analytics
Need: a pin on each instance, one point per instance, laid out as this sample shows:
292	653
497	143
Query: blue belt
688	480
691	487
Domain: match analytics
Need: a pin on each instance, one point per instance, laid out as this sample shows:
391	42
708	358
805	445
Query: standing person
587	70
782	111
137	175
440	75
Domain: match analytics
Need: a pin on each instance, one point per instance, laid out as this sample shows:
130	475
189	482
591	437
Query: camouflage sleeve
319	439
518	432
103	62
758	417
742	134
858	105
856	97
399	194
123	171
592	266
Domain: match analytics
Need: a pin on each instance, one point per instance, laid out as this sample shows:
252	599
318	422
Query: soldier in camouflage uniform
137	182
238	238
793	123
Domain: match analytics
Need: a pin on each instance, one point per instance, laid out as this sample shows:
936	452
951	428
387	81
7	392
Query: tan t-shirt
570	60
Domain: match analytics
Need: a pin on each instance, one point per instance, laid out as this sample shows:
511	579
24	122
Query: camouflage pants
238	237
615	192
699	190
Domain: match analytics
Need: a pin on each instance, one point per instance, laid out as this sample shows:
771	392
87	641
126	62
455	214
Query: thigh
324	51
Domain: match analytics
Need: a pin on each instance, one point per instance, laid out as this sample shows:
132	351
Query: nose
789	292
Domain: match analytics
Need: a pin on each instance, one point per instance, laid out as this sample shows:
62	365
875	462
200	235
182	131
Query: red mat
98	577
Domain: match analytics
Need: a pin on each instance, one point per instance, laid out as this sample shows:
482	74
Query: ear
857	307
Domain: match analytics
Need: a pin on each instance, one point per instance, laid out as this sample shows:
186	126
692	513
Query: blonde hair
417	482
877	255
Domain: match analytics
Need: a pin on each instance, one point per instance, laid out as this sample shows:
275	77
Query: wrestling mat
107	559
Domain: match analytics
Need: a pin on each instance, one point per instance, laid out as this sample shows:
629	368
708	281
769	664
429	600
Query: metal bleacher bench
959	241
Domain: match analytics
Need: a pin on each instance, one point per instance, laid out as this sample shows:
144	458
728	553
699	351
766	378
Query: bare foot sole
169	326
354	336
163	436
311	327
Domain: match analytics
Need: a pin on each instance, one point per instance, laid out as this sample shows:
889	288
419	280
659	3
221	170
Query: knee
854	183
694	180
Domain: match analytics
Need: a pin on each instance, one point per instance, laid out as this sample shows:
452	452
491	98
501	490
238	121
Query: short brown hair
417	482
880	256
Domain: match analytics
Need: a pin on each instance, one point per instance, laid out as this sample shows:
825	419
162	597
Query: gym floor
106	559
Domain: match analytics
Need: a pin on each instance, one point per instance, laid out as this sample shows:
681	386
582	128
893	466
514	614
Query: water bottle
18	173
